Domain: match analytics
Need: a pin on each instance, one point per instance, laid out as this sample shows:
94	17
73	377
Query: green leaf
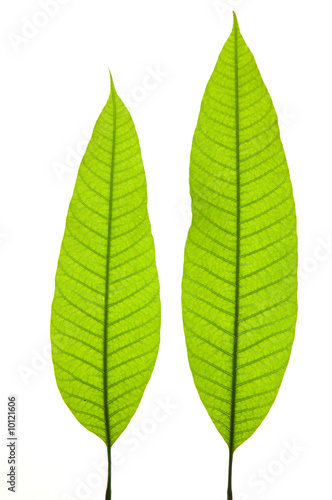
106	310
240	271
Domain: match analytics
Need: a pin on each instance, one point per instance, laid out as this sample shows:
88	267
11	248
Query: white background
52	89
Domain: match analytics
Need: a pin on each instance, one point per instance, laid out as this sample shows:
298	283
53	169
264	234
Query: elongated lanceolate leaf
106	309
240	271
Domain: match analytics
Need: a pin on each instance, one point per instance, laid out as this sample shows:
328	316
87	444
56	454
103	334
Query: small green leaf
106	310
240	271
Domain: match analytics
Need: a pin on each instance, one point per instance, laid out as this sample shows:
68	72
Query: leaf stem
230	470
109	474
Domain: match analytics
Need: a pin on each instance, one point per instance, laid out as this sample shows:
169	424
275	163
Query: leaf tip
112	82
236	23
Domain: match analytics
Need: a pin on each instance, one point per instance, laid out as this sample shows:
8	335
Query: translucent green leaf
240	271
106	310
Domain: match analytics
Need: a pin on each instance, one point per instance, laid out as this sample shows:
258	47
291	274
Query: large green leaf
106	309
240	271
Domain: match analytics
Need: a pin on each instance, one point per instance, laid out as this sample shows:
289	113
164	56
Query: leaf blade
239	282
106	310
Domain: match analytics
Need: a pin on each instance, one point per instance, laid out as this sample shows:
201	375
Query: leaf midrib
238	237
108	262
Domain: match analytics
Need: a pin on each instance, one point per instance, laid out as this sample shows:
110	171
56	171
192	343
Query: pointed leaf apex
112	82
236	23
